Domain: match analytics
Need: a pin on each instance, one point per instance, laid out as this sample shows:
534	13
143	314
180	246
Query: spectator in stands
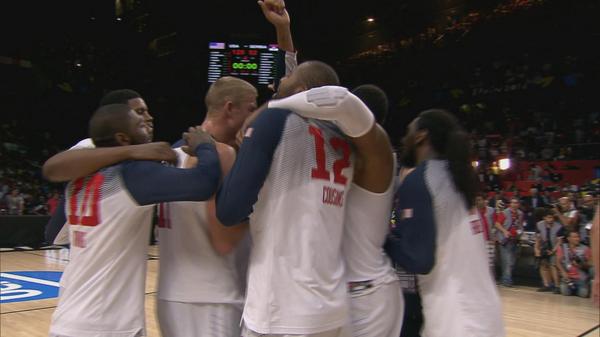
530	204
15	202
567	214
486	214
548	233
574	265
508	234
52	203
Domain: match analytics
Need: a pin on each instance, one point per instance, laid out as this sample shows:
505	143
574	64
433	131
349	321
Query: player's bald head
313	74
308	75
228	89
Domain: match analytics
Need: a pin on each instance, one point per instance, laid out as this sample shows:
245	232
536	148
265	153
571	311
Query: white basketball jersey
103	284
296	279
190	269
459	295
367	225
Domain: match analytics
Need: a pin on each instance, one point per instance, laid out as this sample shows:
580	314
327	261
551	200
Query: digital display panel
255	63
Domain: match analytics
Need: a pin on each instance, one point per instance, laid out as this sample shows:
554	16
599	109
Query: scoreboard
255	63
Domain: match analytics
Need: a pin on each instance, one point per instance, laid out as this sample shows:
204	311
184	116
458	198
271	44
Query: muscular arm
276	14
375	168
223	239
151	182
73	164
241	186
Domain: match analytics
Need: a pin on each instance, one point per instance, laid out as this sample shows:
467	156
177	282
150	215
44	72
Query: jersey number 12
340	145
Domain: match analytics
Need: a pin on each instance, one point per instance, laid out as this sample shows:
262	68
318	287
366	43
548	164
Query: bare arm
73	164
374	171
223	239
276	14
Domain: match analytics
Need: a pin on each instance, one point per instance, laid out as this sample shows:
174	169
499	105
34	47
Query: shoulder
84	144
270	115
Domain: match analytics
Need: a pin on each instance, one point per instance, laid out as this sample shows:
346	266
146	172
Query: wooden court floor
526	312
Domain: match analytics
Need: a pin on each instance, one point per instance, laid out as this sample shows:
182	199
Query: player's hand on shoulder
157	151
274	11
194	137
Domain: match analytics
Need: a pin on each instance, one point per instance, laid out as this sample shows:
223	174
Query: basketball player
66	166
203	267
438	232
300	171
200	288
109	214
376	297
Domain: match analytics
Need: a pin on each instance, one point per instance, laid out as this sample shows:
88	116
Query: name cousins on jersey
333	196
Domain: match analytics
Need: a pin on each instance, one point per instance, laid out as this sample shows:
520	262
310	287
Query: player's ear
228	107
122	138
421	136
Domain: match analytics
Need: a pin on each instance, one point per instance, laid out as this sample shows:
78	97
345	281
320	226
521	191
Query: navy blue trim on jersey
151	182
56	222
241	186
411	243
178	143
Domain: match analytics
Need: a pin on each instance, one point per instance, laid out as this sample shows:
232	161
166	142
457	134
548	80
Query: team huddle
272	221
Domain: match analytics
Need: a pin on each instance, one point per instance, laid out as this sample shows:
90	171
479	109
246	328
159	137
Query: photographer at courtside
573	261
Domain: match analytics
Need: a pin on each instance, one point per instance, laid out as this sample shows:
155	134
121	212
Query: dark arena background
521	76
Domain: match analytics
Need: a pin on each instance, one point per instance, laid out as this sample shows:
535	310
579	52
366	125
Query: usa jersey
109	216
103	284
366	227
459	296
190	269
298	195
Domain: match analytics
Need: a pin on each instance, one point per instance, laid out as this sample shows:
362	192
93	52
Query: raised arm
276	14
73	164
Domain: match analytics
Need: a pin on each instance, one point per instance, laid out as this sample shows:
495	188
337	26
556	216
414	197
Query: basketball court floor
29	284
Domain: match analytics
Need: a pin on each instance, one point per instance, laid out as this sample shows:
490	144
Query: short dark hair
106	122
375	98
315	74
120	96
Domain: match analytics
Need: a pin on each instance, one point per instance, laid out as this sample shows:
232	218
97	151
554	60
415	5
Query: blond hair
226	89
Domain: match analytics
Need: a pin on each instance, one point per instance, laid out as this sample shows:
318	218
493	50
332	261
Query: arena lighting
475	163
370	19
504	164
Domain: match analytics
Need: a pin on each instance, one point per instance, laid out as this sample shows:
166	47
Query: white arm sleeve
84	144
331	103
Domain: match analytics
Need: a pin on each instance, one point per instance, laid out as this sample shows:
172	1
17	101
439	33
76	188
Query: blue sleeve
56	222
178	143
411	243
151	182
241	186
